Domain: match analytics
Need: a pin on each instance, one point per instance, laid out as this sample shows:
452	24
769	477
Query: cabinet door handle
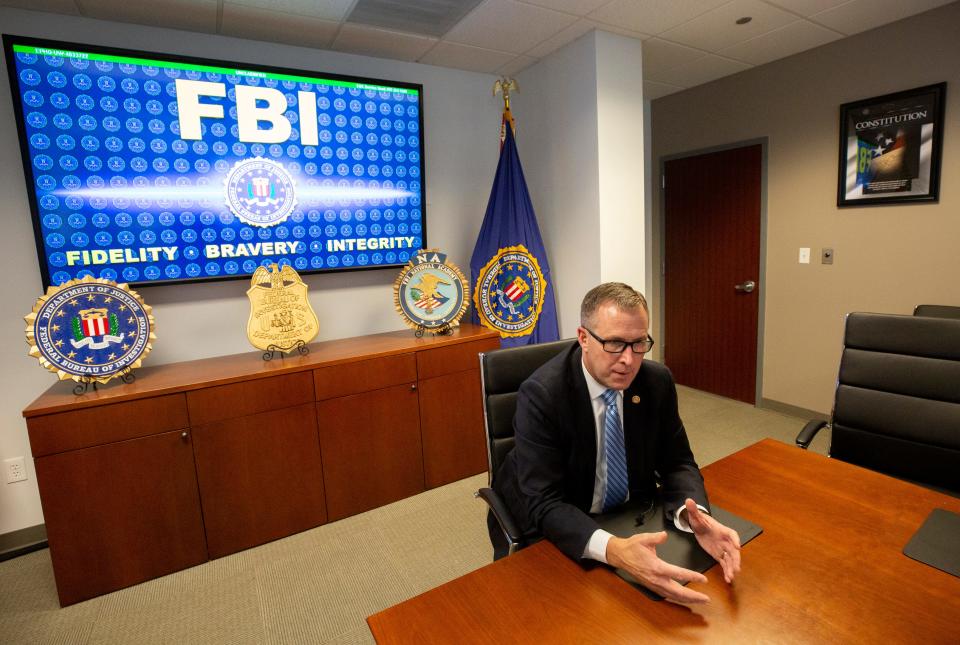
184	435
413	387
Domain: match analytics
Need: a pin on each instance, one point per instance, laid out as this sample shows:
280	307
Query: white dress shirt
596	548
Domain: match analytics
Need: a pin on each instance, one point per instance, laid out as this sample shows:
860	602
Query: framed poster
890	148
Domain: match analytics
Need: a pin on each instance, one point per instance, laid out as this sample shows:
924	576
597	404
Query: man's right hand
637	555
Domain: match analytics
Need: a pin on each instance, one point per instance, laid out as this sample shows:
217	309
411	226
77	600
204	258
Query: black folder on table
681	548
937	542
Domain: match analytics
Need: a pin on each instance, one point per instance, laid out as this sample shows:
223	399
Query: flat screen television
150	168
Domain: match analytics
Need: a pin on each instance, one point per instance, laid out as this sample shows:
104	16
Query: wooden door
121	513
372	454
260	478
712	254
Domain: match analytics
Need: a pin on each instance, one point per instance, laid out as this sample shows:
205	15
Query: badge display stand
272	350
444	330
84	385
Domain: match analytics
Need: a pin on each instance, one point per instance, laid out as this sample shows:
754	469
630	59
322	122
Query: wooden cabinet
121	513
371	445
450	409
201	459
260	478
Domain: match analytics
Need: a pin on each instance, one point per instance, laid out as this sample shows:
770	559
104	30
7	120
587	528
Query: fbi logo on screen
260	192
430	292
510	291
90	330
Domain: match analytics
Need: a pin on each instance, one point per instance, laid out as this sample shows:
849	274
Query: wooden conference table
828	568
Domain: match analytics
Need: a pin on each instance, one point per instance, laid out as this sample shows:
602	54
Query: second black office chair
501	373
937	311
897	405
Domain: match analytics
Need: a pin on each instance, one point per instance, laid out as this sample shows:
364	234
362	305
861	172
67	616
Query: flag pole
504	86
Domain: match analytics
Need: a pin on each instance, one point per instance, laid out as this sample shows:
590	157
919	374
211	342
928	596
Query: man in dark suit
574	457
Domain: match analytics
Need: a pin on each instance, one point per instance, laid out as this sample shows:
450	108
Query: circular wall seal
430	293
260	192
510	291
90	330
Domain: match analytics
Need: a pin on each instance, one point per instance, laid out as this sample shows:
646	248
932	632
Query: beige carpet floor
319	586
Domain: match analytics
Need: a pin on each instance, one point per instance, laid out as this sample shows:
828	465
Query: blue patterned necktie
615	454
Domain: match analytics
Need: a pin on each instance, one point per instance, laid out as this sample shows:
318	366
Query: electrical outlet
16	469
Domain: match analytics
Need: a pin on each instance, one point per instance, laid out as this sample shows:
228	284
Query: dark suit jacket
547	479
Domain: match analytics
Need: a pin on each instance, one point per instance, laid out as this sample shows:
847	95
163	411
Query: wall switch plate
16	469
804	255
826	256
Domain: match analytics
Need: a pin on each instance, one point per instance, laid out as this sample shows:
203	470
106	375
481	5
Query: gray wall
582	145
194	321
888	258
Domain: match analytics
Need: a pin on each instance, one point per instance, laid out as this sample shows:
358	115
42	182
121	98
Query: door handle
746	286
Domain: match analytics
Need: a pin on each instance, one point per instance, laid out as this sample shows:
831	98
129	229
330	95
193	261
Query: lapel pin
635	399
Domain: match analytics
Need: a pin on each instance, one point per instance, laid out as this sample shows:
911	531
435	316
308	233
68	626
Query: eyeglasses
617	346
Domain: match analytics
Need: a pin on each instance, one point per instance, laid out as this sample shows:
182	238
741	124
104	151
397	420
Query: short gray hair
622	295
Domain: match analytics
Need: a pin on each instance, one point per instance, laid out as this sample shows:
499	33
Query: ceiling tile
576	7
423	17
568	35
50	6
475	59
274	26
717	29
702	70
623	31
661	55
370	41
654	90
861	15
794	38
652	16
806	7
324	9
505	25
517	65
191	15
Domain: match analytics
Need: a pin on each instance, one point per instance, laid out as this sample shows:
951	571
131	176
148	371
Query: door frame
763	142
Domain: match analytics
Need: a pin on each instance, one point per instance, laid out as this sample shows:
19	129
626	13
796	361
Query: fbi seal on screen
430	292
260	192
90	330
509	292
281	318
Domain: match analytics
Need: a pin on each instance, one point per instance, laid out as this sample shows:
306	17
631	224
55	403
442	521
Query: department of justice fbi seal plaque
510	291
90	330
281	317
430	292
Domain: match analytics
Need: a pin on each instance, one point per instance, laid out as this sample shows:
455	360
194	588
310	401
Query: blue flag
512	292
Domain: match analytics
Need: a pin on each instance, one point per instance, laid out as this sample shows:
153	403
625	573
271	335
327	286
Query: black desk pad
681	548
937	542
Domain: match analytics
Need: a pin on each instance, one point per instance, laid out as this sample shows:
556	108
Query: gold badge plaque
281	318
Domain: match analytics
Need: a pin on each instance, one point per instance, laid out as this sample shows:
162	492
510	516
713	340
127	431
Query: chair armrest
502	514
809	432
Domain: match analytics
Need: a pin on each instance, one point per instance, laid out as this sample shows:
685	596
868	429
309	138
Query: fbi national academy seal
90	330
260	192
430	293
510	291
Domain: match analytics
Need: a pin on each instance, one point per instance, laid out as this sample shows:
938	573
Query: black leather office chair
501	373
937	311
897	405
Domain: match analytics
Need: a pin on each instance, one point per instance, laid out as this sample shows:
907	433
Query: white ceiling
685	42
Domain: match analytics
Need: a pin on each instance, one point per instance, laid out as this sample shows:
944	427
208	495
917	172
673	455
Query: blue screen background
110	171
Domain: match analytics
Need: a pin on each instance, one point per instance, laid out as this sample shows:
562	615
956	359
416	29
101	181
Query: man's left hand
719	541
